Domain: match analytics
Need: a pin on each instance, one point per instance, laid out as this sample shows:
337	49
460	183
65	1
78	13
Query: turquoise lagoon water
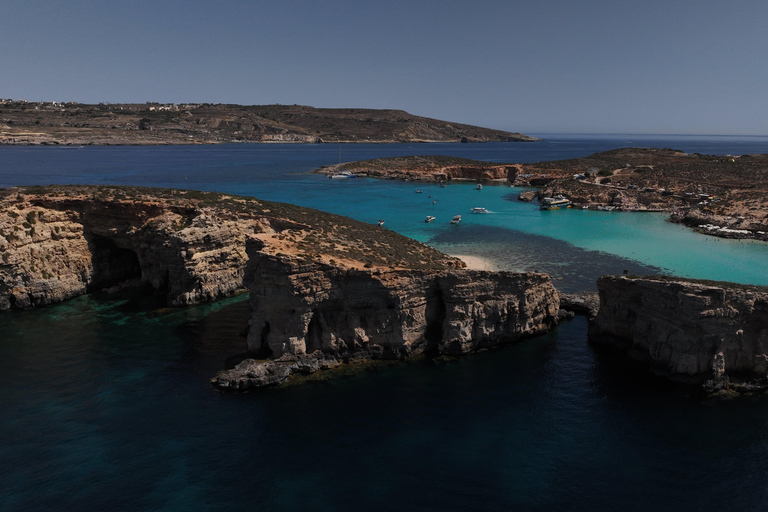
105	402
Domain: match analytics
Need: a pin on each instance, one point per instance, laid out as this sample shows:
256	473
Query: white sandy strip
476	263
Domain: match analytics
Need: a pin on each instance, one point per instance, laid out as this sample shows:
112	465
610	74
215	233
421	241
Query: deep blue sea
105	402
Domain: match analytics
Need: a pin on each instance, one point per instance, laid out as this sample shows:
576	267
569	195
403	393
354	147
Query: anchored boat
552	203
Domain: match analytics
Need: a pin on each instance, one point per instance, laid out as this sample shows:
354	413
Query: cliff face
309	315
62	241
712	334
54	248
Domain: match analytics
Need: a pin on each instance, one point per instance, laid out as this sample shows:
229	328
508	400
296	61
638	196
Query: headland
324	289
54	123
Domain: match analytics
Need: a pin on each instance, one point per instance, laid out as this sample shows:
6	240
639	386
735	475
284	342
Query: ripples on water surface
105	401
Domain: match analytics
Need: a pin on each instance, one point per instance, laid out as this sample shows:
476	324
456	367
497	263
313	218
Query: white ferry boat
552	203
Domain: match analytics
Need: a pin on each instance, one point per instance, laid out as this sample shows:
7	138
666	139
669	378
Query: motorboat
456	219
479	187
342	175
479	210
429	218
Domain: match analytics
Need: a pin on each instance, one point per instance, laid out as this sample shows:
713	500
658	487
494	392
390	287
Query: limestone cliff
60	242
307	315
55	247
713	334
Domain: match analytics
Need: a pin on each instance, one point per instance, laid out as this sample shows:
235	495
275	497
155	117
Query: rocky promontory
709	333
324	289
308	316
58	242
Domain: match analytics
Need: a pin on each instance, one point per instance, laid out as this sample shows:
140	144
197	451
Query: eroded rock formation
305	311
713	334
62	241
54	248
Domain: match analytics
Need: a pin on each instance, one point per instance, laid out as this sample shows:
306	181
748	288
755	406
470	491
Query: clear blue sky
601	66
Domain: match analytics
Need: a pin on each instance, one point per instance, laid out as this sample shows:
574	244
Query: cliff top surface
153	123
653	164
691	281
411	162
284	228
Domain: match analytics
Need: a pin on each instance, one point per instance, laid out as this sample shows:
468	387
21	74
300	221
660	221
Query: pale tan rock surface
302	308
62	241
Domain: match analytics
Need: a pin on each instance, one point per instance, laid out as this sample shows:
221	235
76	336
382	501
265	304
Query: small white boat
429	218
418	191
380	223
479	187
479	210
342	175
456	219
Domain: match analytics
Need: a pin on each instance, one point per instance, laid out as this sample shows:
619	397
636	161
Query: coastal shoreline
477	262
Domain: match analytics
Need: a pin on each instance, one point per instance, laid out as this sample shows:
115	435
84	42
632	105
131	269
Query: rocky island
725	196
425	168
54	123
324	289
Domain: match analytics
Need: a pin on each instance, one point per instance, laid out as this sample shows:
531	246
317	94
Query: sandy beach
476	263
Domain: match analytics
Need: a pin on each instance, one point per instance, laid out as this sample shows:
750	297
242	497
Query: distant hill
24	122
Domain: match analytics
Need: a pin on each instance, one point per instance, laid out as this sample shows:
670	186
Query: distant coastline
55	123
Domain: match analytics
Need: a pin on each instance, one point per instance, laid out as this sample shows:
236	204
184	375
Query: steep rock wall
54	249
711	334
302	308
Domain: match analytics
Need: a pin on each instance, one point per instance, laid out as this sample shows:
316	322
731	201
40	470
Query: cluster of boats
457	218
430	218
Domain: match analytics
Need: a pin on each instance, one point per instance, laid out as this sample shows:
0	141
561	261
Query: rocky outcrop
428	168
712	334
585	303
303	308
57	248
62	241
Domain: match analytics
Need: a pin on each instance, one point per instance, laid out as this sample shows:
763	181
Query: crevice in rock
264	351
435	317
111	264
313	340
